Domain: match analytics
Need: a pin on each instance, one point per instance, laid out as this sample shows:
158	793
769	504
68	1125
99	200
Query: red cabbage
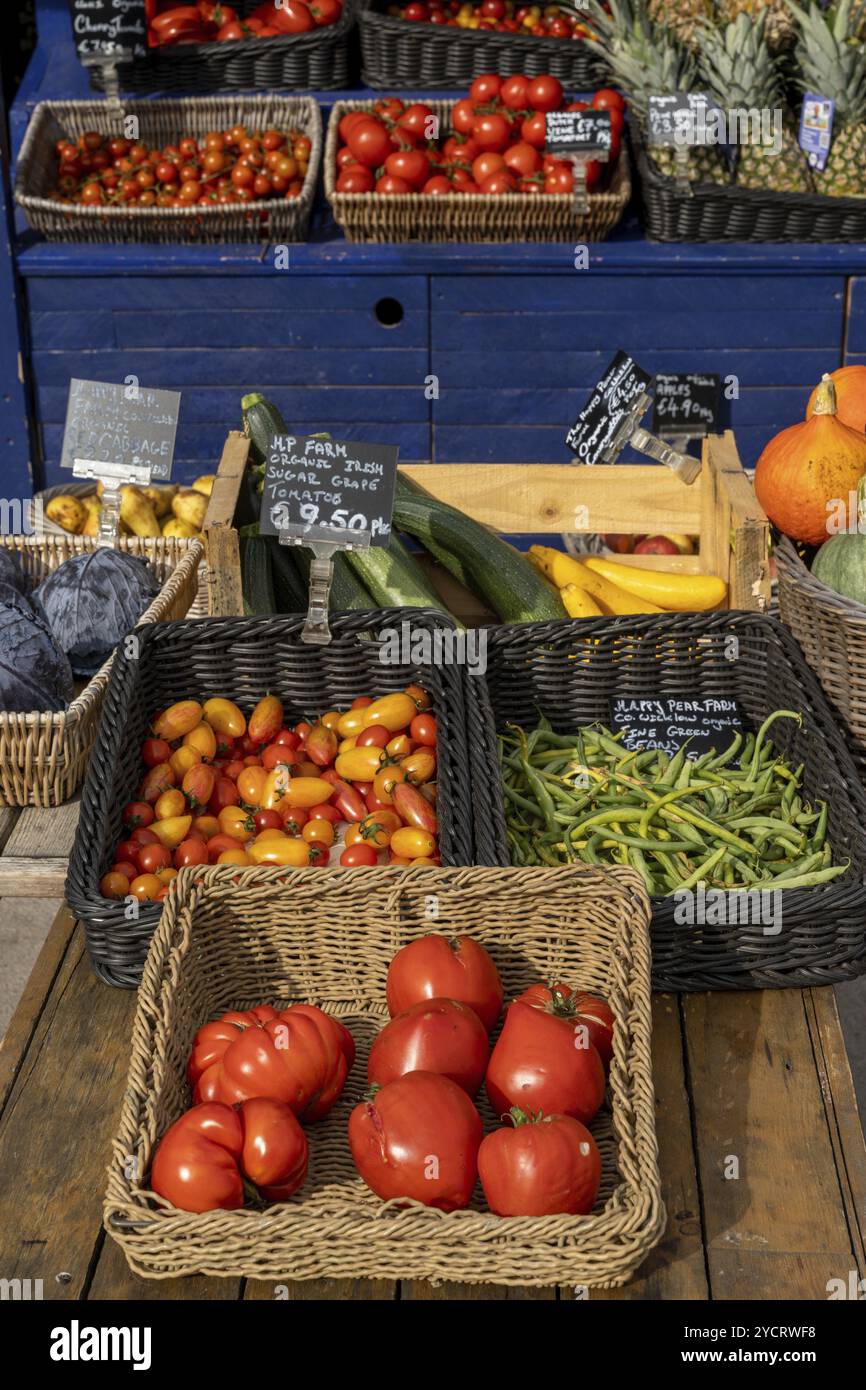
92	601
34	673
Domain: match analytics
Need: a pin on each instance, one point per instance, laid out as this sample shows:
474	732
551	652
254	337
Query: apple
619	544
656	545
684	544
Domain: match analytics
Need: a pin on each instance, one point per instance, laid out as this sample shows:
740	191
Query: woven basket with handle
43	756
228	940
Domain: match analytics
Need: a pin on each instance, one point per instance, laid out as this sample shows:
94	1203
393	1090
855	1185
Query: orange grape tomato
251	785
158	780
306	792
399	746
386	780
224	717
362	702
413	843
172	830
179	719
331	719
146	887
378	827
419	696
347	745
237	822
203	739
351	723
190	852
266	720
377	736
320	830
359	764
308	769
114	885
396	712
271	834
182	759
235	856
353	835
206	826
198	784
419	766
399	860
293	852
166	875
233	769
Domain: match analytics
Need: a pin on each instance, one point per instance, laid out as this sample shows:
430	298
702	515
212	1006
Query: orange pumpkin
850	384
807	466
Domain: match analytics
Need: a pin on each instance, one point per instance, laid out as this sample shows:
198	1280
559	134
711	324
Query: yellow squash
563	570
680	593
578	603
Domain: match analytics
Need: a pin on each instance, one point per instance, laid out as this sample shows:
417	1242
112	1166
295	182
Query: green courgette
256	577
394	577
480	559
290	591
262	421
348	594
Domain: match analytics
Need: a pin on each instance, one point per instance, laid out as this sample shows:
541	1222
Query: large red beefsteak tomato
439	1035
301	1056
588	1009
542	1062
540	1165
203	1159
439	967
418	1137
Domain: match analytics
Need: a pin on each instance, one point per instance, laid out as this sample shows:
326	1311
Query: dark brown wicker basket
532	669
398	54
831	630
508	217
278	220
725	212
243	658
296	62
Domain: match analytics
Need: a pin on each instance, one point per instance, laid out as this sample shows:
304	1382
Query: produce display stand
761	1076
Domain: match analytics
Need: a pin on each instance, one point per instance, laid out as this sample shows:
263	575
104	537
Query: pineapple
682	17
648	61
781	26
742	75
833	64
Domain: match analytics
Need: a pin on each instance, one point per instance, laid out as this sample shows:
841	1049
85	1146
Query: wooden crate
720	510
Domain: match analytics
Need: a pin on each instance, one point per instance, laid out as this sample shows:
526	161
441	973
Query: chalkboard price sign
686	404
593	436
329	489
123	425
579	132
669	722
109	28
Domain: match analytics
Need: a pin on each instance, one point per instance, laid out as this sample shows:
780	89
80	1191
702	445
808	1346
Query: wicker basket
43	757
229	940
512	217
243	658
397	54
726	212
532	669
831	630
295	62
278	220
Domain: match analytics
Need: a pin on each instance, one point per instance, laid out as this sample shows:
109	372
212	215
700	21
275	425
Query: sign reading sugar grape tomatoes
328	489
579	132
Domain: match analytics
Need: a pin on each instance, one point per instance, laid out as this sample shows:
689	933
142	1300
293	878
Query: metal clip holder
113	477
323	541
108	62
580	196
630	431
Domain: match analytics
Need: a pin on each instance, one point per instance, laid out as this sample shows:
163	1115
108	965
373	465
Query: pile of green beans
736	819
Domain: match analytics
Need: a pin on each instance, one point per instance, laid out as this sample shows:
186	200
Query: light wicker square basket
43	756
231	940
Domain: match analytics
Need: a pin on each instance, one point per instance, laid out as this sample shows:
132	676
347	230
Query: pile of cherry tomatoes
221	789
496	143
232	166
257	1075
210	21
503	16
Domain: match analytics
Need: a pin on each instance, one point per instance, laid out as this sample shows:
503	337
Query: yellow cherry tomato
178	719
234	856
208	826
320	830
171	803
347	744
224	717
399	746
352	722
419	766
353	835
395	712
203	739
166	875
377	828
172	830
331	720
359	764
304	792
422	862
182	759
413	843
237	822
275	788
251	785
272	834
419	695
266	720
386	780
289	850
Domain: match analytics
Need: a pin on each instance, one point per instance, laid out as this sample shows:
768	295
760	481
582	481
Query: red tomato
350	119
288	738
152	858
438	1035
499	183
268	820
390	183
138	813
540	1165
596	1014
225	793
483	165
326	11
606	99
485	88
374	737
300	1056
357	178
522	159
540	1062
414	167
419	121
191	851
492	131
202	1159
370	143
328	813
463	116
217	843
394	1135
155	751
320	853
436	967
545	93
292	17
347	799
141	836
534	131
127	851
125	867
359	856
296	819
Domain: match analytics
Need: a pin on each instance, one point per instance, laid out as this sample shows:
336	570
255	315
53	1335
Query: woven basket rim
309	115
217	53
637	1193
191	557
370	17
793	570
614	198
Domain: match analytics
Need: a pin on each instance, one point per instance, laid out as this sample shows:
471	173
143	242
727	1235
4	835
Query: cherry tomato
296	818
606	99
463	116
138	813
355	179
155	751
152	858
146	887
485	88
114	885
544	93
491	131
217	843
142	836
359	855
267	820
369	142
321	831
190	851
513	93
411	165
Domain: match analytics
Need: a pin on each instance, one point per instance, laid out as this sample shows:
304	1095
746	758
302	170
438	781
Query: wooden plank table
762	1154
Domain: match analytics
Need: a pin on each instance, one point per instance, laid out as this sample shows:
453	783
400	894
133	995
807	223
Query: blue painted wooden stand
361	338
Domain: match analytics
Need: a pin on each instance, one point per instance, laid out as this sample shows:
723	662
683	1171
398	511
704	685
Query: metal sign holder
324	541
630	431
113	477
110	76
579	161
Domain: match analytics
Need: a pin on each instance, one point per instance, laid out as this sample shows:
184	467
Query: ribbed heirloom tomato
439	967
539	1165
580	1009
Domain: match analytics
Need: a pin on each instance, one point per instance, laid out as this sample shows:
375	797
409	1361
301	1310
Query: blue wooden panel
340	405
856	339
216	329
586	291
282	289
494	369
186	369
638	332
559	408
536	444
